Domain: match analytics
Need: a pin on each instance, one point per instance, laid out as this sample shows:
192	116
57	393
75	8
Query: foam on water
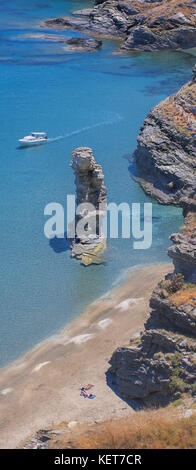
84	129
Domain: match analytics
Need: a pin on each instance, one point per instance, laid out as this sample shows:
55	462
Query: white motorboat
36	138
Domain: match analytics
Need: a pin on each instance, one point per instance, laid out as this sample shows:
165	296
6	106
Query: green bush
177	403
177	385
189	285
176	283
172	284
174	358
193	389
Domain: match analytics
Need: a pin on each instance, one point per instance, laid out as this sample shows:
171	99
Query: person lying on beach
87	387
86	394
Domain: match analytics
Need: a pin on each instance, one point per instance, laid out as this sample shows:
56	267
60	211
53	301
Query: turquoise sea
104	98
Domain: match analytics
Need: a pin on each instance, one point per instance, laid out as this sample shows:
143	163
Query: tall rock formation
90	245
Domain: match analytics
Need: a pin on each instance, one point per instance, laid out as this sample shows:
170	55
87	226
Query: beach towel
92	396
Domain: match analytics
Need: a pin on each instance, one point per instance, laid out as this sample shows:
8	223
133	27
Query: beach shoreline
41	388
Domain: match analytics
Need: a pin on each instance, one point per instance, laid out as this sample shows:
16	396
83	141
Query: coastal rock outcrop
140	25
166	149
83	44
183	254
161	365
75	44
89	243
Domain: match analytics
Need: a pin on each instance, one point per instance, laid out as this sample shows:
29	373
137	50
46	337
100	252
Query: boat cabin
39	135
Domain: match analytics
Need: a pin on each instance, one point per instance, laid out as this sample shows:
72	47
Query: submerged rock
75	44
84	44
90	245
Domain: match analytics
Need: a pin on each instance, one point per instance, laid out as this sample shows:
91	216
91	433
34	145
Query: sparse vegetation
135	341
186	295
173	284
159	355
177	291
174	358
177	384
190	227
152	429
177	403
193	389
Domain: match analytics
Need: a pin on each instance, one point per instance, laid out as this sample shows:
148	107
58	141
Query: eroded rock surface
166	151
161	365
90	246
83	44
141	25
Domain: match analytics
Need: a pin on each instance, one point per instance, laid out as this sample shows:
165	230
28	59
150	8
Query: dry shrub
184	296
152	429
190	227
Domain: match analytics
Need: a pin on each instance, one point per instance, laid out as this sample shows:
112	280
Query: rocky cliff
161	365
166	151
90	244
140	25
183	251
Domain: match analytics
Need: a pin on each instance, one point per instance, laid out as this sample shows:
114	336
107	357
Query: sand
41	388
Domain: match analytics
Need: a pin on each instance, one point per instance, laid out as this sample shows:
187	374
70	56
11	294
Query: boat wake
86	128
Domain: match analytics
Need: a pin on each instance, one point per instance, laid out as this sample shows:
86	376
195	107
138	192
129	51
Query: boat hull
24	143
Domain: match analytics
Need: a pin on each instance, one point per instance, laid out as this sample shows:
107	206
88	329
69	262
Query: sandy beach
41	388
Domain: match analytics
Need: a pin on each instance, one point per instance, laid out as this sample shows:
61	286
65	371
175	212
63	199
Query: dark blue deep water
45	87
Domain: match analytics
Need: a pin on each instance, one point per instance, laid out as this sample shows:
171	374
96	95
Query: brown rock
90	189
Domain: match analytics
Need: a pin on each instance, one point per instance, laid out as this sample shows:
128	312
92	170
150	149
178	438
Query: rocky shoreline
161	365
140	26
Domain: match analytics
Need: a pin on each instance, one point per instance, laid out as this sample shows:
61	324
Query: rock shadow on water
132	168
166	87
42	6
60	245
147	180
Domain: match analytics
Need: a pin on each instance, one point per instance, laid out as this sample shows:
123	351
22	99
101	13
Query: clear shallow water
43	87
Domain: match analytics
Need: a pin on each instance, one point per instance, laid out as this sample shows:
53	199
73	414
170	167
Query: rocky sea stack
90	246
140	25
